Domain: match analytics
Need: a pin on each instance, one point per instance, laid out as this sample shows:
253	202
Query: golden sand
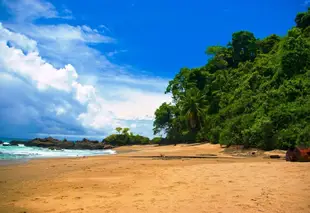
124	184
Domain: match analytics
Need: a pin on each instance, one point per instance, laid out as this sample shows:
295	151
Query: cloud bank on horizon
53	80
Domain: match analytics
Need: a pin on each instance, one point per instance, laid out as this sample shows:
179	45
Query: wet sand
127	183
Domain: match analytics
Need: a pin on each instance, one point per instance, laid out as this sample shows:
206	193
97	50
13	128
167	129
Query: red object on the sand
298	154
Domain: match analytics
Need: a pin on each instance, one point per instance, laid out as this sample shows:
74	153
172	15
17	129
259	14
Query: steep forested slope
252	92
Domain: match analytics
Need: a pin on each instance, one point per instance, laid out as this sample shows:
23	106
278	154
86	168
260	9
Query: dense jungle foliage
125	137
254	92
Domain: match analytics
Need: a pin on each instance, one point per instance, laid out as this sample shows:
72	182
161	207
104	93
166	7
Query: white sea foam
36	152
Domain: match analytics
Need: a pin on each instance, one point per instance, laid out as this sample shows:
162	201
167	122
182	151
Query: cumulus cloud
52	82
26	111
133	105
33	67
101	114
19	40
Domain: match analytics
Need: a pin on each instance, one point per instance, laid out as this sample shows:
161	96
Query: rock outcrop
56	144
15	142
51	143
88	144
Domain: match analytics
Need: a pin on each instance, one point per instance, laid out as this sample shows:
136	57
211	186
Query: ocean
23	152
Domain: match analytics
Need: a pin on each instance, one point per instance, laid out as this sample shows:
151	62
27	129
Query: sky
73	69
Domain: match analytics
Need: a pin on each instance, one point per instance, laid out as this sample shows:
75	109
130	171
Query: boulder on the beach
298	154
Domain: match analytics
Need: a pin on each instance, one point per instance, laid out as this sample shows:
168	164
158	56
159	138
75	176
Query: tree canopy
254	92
125	138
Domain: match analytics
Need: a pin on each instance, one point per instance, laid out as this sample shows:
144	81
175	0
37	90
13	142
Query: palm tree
192	106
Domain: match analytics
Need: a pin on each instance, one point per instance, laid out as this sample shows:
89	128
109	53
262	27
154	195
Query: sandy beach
134	181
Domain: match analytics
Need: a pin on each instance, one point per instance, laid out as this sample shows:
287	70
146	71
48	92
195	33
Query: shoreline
7	162
125	150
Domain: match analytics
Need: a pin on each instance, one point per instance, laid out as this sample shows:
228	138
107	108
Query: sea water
24	152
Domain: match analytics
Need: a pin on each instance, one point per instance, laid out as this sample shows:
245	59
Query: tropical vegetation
252	92
125	137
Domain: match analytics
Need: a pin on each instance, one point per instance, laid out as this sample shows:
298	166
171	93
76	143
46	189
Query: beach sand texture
122	183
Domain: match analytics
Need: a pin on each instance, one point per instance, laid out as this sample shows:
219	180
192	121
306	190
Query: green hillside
254	92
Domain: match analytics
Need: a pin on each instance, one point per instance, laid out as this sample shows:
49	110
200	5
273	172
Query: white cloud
33	67
63	32
84	93
102	114
19	40
64	44
102	26
131	105
143	82
27	10
111	54
69	88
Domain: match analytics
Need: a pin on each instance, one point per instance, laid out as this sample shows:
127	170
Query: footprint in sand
60	197
35	199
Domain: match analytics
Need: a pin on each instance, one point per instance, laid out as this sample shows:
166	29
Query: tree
118	129
244	46
303	19
124	138
125	131
192	107
266	45
221	58
163	118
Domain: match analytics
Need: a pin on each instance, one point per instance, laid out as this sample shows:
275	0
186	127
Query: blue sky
75	68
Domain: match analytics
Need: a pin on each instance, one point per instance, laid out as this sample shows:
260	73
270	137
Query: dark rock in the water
56	144
108	146
50	143
1	142
15	142
85	140
87	144
54	148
